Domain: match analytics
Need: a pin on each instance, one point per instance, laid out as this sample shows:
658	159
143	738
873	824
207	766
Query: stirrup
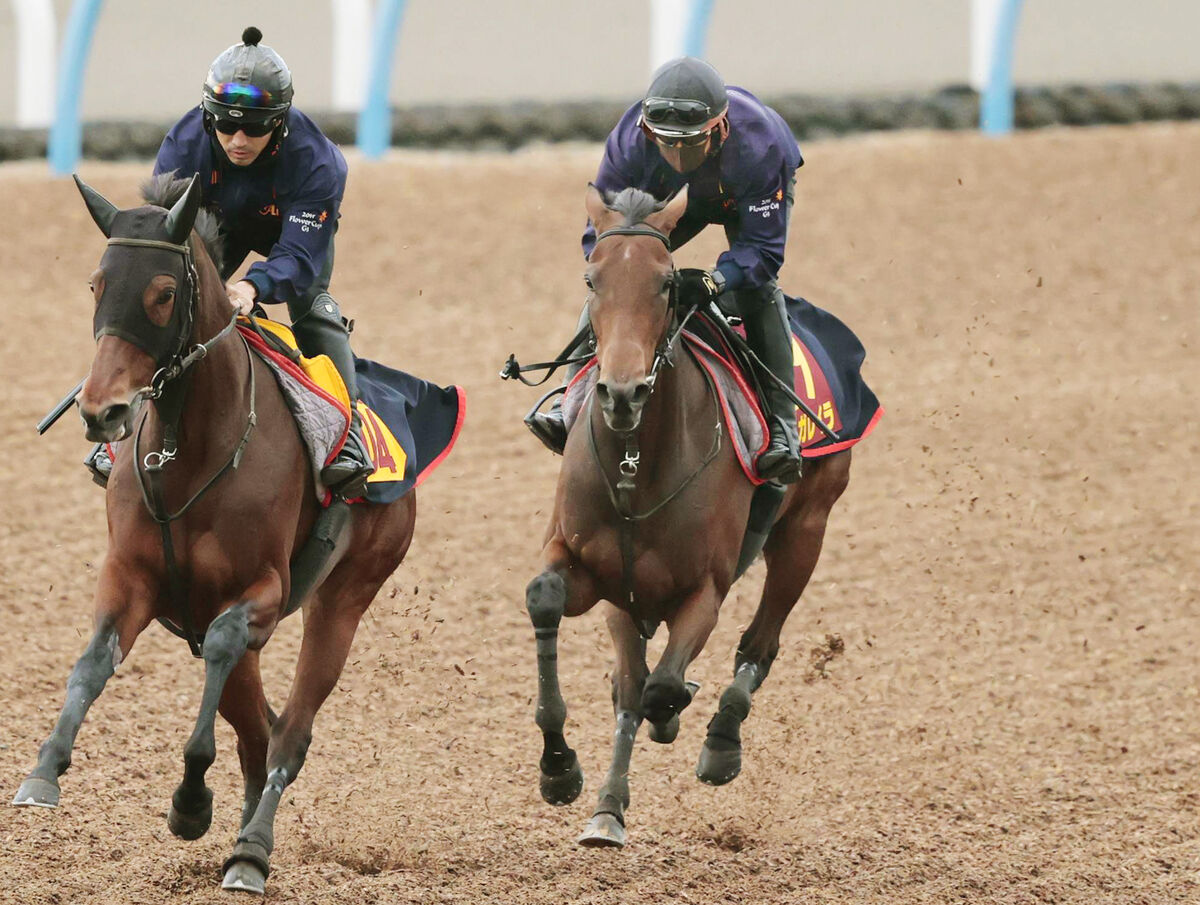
550	428
784	470
100	464
346	476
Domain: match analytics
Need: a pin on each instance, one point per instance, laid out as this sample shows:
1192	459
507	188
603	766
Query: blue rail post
695	38
66	139
996	106
375	120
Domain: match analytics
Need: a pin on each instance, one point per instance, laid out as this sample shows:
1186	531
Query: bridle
621	495
149	469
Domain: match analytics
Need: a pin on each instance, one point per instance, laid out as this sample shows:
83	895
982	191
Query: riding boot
550	427
99	463
767	332
323	331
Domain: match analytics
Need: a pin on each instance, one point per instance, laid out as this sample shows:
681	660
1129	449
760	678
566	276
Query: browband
153	243
635	231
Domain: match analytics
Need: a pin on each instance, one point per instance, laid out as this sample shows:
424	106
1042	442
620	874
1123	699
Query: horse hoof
36	792
663	698
603	831
718	767
189	826
243	876
190	822
665	733
563	788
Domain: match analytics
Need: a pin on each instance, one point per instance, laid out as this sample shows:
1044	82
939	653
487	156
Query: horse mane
164	190
634	204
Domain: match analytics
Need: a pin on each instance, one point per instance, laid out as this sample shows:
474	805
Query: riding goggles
241	94
669	111
252	130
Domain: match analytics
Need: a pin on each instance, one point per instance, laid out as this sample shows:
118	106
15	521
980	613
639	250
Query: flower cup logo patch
767	205
309	221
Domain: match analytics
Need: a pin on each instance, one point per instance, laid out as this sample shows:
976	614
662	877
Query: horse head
630	280
145	290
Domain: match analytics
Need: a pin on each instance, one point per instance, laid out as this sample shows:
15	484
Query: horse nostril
640	394
114	415
602	393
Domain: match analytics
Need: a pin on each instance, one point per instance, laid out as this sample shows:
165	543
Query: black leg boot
322	331
768	333
550	427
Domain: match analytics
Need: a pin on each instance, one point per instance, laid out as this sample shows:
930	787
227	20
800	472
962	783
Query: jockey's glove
699	287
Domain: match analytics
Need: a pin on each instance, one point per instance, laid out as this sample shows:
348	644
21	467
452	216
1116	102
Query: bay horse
649	515
217	444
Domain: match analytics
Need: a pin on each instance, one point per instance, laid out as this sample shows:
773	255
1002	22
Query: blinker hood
143	243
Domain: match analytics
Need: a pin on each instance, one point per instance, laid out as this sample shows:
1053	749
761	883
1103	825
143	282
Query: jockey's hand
696	286
241	295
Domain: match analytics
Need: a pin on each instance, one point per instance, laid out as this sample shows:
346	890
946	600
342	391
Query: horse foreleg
666	693
117	626
224	644
791	555
607	826
546	599
329	627
245	708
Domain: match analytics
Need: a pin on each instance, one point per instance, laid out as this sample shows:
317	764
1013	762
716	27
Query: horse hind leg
330	623
791	554
225	643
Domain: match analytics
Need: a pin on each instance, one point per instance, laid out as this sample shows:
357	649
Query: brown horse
649	515
209	500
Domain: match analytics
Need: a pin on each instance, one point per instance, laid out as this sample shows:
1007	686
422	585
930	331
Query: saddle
409	424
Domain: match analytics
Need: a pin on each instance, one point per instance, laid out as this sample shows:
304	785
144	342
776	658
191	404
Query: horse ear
183	215
102	210
664	220
597	207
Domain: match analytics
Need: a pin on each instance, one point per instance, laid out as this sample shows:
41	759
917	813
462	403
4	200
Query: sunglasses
684	112
252	130
681	141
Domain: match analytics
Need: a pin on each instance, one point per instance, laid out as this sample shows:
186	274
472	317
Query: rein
149	469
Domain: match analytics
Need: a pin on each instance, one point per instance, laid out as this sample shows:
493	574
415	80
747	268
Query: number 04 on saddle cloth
410	424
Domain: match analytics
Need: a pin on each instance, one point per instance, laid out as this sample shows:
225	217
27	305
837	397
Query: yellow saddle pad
386	451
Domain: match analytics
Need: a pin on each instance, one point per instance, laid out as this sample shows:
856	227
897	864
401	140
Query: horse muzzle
622	403
108	423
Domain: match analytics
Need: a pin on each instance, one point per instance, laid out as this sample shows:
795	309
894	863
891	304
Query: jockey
275	183
738	159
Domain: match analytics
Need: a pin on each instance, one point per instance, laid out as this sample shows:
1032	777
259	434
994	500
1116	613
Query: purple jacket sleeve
762	232
297	257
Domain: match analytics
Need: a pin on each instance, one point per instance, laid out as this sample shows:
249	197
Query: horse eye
587	281
166	296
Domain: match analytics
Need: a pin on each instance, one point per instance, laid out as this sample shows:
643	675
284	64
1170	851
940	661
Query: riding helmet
684	98
248	83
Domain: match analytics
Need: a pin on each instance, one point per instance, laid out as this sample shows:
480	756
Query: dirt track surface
1015	717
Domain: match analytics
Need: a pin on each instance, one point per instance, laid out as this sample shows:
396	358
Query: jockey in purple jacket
738	159
275	183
